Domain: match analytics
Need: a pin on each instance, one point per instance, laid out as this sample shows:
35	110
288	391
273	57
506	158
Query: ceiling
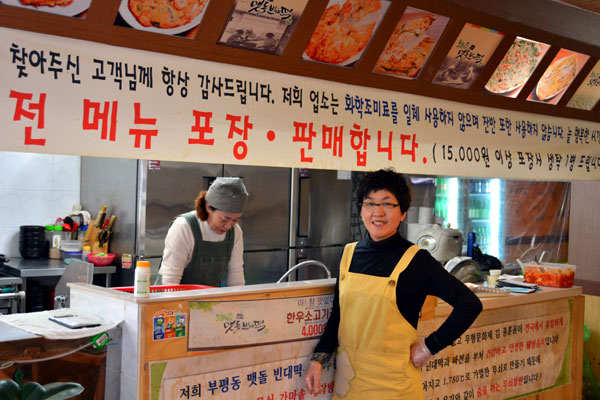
539	20
588	5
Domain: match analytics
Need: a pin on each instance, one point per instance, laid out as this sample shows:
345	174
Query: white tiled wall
35	189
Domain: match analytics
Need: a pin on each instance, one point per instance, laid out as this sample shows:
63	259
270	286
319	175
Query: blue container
470	242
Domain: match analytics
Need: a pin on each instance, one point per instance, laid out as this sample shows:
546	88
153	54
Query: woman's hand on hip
419	353
313	377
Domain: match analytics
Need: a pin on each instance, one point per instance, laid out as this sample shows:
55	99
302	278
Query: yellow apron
373	357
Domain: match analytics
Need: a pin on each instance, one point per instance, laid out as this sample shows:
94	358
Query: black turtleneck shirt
423	276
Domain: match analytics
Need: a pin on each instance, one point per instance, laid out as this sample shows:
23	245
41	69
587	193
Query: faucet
304	264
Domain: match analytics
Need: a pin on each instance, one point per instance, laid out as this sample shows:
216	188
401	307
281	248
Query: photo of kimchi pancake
162	16
411	43
344	31
69	8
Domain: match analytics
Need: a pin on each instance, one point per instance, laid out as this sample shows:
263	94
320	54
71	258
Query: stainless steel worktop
32	268
26	269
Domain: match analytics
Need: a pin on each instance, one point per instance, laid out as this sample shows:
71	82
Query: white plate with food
343	33
557	78
515	68
165	18
60	7
409	45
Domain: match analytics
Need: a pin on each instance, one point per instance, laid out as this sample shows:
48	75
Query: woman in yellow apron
382	285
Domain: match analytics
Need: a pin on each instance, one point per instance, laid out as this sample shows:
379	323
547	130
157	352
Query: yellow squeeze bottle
141	287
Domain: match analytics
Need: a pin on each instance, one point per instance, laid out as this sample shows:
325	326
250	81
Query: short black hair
384	179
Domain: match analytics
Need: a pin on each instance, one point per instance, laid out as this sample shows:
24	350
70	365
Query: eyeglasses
386	206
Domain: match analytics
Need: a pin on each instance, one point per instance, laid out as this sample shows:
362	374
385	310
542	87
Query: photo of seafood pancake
411	43
47	3
516	67
344	31
166	13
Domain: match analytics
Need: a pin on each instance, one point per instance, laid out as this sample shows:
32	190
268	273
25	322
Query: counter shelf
26	269
190	359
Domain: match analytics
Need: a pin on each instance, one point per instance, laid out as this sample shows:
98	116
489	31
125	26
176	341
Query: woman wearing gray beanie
205	246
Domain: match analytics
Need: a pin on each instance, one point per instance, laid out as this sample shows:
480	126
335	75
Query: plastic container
492	278
163	288
70	254
81	232
550	274
71	245
58	236
53	233
141	286
100	261
85	251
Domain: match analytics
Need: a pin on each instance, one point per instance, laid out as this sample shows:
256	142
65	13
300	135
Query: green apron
210	260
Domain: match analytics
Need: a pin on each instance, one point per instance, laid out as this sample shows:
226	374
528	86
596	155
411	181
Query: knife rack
91	239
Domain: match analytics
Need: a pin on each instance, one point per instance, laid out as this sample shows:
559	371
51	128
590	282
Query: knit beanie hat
227	194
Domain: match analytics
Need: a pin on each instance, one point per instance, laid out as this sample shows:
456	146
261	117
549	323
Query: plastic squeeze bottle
141	286
84	253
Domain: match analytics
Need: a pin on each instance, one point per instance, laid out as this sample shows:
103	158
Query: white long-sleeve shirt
179	247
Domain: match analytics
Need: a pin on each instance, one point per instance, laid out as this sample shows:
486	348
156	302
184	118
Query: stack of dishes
32	241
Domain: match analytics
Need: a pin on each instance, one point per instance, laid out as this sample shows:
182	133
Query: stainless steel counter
26	268
31	268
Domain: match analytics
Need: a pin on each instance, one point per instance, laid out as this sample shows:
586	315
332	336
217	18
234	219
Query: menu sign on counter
245	349
271	372
225	324
503	360
67	96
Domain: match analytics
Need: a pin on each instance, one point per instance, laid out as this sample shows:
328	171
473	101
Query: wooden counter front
521	346
156	367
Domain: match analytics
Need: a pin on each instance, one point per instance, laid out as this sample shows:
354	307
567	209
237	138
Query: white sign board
67	96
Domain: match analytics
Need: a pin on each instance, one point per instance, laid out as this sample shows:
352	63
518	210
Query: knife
100	216
105	233
110	223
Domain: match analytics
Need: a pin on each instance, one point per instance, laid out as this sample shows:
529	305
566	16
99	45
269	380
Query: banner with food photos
67	96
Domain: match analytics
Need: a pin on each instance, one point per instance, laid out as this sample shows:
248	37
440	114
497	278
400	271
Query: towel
39	323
